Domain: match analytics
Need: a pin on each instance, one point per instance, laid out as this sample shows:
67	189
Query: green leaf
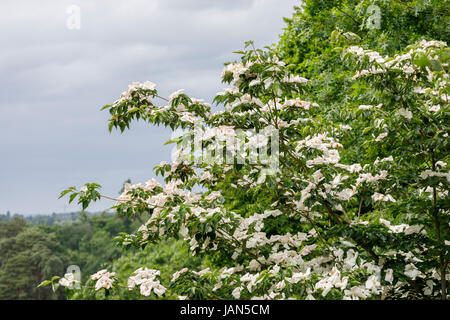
421	60
63	193
133	110
73	196
44	283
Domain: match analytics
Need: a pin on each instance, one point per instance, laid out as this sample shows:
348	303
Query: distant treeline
48	219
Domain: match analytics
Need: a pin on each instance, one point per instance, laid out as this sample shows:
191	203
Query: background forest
36	248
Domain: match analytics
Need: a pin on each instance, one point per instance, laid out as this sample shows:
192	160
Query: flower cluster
147	281
104	279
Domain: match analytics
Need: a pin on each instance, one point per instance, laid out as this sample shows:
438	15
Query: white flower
295	79
428	290
189	117
280	285
184	231
367	107
411	271
254	265
350	260
381	136
217	286
325	286
206	176
213	196
345	194
405	113
429	173
147	287
381	197
373	284
389	277
355	50
441	163
408	69
99	274
297	276
237	292
148	85
104	279
333	280
435	108
175	95
390	158
157	200
151	184
159	289
414	229
104	282
345	127
236	69
357	292
202	272
254	82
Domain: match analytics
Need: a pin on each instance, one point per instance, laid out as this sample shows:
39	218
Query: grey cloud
54	81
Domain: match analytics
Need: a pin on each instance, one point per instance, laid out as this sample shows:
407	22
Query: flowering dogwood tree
305	219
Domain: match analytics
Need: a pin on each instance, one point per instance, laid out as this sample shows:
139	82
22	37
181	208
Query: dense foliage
313	37
31	253
325	177
28	255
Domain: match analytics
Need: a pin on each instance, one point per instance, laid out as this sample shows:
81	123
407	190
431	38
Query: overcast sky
54	80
